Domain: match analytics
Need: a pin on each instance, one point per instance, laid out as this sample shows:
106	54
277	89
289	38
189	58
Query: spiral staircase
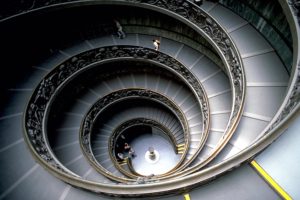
213	113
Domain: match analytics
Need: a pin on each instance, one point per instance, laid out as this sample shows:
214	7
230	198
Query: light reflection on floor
167	157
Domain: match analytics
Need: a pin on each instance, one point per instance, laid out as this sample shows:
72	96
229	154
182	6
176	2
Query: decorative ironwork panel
108	101
47	88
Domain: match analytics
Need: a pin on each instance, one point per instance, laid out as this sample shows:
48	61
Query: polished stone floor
165	158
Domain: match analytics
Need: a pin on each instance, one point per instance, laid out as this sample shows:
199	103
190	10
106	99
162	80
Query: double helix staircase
216	90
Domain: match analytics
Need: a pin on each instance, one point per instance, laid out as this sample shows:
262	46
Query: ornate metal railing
289	106
42	98
211	30
113	140
203	23
206	25
184	11
108	101
292	98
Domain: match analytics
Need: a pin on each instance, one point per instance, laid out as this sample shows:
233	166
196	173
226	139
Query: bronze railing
109	100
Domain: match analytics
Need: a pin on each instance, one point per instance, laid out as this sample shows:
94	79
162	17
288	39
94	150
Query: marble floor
165	157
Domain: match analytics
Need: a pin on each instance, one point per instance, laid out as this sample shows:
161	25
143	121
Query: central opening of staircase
150	150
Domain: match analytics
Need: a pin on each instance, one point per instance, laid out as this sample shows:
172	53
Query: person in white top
156	44
120	31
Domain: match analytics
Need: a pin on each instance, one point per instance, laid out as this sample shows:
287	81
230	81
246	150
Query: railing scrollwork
110	100
113	139
39	105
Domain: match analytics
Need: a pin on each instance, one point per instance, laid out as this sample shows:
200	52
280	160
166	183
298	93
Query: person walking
156	44
120	31
129	150
126	147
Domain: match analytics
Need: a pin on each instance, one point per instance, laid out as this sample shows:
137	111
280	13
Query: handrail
109	100
134	122
292	97
42	98
202	22
142	121
237	85
141	179
289	112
